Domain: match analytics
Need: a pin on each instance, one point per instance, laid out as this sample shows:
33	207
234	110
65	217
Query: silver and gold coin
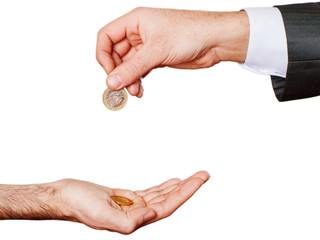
115	100
121	201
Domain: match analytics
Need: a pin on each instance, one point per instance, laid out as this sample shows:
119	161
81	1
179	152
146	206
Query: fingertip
133	89
114	82
203	175
137	217
105	61
141	91
149	216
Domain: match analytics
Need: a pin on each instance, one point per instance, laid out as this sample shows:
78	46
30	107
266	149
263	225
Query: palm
93	206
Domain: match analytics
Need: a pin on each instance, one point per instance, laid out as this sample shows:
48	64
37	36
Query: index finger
109	35
173	201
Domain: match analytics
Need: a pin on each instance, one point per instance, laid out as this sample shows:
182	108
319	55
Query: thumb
135	219
131	70
141	215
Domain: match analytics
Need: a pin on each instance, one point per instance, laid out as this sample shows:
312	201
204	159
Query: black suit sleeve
302	25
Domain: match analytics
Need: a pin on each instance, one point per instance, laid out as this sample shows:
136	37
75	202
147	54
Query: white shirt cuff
267	50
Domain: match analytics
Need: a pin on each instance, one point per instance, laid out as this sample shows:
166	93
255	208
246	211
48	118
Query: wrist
57	202
49	198
231	36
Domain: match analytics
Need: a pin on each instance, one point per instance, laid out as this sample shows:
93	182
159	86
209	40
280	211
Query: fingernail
149	216
204	176
114	81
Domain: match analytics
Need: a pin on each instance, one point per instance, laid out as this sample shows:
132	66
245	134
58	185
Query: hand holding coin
122	210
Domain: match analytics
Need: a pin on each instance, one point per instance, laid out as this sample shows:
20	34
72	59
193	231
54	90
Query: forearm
38	201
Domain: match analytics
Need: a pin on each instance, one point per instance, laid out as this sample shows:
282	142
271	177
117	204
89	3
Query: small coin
121	201
115	100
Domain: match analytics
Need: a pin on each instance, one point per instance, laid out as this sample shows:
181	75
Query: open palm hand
90	203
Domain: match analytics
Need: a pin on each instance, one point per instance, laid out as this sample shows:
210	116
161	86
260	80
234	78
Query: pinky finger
141	90
134	88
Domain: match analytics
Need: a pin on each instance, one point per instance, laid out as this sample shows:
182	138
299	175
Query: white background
263	155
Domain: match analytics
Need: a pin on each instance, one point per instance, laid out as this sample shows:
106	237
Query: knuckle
139	9
134	69
98	58
100	62
103	32
175	180
142	63
100	32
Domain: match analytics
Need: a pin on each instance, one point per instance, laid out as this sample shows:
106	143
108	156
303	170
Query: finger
104	56
109	35
116	59
169	205
165	193
172	200
204	175
159	187
138	65
122	47
134	88
123	222
137	217
201	174
141	90
152	195
146	74
132	51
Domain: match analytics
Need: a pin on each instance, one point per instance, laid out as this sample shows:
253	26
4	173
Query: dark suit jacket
302	25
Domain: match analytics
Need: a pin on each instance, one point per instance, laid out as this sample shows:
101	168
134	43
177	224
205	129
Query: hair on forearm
28	202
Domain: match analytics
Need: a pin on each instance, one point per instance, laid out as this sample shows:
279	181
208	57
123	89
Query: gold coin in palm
115	100
121	201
